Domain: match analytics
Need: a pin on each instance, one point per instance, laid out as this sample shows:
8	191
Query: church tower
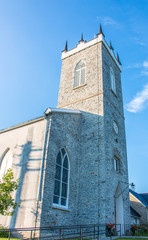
91	82
72	162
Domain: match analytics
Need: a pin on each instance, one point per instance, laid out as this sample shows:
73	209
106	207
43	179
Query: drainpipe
46	139
48	123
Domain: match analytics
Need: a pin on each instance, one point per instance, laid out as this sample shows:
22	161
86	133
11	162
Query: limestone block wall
70	97
26	144
89	161
115	99
64	132
89	99
115	144
100	108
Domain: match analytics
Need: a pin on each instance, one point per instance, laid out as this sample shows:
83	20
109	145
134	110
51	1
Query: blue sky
33	34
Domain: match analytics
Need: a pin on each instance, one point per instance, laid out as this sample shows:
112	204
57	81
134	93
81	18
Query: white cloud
139	102
145	64
142	43
138	41
107	21
136	65
145	73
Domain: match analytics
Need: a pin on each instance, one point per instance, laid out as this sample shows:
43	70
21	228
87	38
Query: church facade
72	162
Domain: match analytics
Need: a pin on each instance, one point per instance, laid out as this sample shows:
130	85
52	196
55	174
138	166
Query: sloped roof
142	197
134	212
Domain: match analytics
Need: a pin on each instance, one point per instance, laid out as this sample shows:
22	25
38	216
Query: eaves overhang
61	110
22	124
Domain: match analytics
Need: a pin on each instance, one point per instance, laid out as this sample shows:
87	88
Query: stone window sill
80	86
114	93
60	208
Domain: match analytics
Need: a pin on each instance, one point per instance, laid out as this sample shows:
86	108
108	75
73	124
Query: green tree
7	186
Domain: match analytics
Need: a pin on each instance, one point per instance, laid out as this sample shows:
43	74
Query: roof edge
140	198
83	45
22	124
61	110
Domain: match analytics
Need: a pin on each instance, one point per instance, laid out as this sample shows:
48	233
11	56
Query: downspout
43	158
42	166
46	139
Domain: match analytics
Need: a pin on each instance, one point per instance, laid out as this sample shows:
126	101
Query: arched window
113	80
61	187
79	74
5	162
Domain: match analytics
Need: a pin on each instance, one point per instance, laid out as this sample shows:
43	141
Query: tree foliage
7	186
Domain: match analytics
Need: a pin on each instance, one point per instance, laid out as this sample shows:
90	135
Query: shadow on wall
67	131
141	209
24	159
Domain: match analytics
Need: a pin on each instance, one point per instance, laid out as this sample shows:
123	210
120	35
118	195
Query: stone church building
72	162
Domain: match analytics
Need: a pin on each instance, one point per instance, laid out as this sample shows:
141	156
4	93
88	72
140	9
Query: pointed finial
82	40
110	46
118	59
66	47
100	31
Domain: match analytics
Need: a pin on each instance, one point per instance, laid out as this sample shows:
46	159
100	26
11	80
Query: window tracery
80	74
61	187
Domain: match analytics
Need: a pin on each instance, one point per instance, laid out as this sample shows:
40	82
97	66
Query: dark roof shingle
143	197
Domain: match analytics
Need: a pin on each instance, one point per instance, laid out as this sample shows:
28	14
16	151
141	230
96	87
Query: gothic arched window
79	74
61	187
5	162
113	81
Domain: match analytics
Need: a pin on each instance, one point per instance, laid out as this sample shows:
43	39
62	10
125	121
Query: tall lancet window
61	187
5	162
113	80
80	77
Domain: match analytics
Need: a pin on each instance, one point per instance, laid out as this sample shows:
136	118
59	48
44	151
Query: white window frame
116	164
112	80
59	205
5	162
79	70
115	127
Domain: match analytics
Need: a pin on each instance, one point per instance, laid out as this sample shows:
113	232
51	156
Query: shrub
127	233
114	233
109	229
144	228
4	234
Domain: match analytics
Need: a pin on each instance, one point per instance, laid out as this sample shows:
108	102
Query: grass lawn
127	238
143	234
119	238
131	238
90	239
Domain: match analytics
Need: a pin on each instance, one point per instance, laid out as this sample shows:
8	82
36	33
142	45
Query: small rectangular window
113	80
116	164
